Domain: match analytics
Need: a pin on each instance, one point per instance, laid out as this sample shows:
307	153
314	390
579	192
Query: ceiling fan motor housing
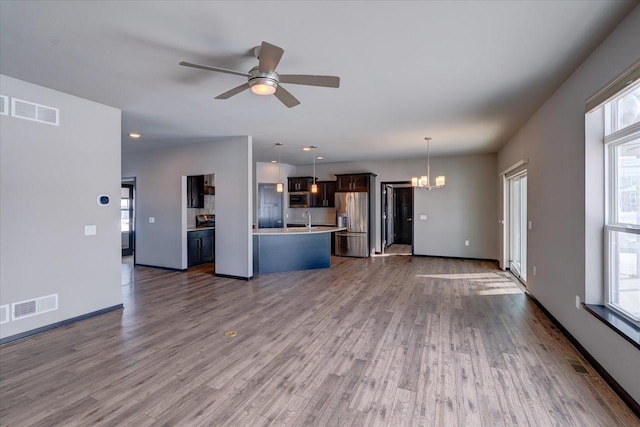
257	77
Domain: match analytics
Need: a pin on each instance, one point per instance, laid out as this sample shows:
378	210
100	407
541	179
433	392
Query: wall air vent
4	105
35	112
22	309
4	313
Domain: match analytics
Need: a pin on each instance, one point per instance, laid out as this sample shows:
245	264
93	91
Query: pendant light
279	185
314	186
424	181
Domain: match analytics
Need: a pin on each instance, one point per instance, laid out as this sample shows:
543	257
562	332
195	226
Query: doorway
517	229
127	223
397	218
269	207
403	218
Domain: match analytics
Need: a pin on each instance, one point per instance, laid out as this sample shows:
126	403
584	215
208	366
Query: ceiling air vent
22	309
4	314
4	105
35	112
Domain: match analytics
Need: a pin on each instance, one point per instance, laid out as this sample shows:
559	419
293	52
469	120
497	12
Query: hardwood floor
382	341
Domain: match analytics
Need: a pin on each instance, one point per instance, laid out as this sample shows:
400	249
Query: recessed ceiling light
274	161
134	135
306	149
320	158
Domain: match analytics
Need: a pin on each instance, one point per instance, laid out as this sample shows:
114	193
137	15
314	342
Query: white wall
161	193
50	178
466	208
554	142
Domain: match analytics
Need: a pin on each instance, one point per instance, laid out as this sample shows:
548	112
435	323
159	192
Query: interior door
126	219
389	216
269	207
518	225
403	215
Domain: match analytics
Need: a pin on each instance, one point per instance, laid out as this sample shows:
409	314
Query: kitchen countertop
296	230
200	228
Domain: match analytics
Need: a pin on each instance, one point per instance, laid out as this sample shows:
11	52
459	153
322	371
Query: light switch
466	243
423	217
152	219
90	230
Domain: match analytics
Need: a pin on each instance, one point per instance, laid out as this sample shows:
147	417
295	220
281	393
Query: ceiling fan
263	79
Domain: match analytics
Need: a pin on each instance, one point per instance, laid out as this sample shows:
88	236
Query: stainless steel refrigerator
352	211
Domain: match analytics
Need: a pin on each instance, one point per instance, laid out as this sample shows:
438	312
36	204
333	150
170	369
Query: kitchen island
290	249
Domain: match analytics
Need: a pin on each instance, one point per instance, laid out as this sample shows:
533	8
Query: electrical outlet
530	225
578	302
534	270
466	243
90	230
152	219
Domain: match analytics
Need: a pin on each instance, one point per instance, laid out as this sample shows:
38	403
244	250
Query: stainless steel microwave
299	199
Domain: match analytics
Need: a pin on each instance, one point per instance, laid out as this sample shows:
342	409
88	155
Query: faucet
307	214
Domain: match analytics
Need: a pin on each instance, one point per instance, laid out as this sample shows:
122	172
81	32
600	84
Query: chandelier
424	181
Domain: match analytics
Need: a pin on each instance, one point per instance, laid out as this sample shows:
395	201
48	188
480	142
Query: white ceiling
466	73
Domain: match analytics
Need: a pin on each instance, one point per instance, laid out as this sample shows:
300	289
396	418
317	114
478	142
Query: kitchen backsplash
209	209
319	216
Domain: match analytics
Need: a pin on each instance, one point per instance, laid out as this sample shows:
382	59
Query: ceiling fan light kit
263	79
424	181
263	83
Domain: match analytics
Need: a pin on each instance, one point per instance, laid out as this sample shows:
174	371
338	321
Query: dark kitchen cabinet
325	197
300	183
200	247
195	191
361	182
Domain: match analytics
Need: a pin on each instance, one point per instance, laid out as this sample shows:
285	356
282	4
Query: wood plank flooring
389	341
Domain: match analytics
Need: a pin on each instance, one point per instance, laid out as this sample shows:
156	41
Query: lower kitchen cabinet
200	246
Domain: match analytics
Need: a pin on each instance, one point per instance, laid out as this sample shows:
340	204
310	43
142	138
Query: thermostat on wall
103	200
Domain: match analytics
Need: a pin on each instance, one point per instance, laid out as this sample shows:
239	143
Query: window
622	223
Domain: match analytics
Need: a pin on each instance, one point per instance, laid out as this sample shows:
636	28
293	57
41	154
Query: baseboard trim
32	332
177	270
617	388
458	257
230	276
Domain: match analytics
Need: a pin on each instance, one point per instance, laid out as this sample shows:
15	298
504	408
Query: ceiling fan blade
285	97
236	90
302	79
270	56
219	70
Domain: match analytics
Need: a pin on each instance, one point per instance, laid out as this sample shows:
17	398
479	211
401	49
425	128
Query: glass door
518	225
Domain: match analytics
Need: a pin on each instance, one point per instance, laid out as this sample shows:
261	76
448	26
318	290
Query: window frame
613	139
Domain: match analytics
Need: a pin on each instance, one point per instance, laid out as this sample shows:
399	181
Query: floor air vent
577	365
22	309
4	314
32	111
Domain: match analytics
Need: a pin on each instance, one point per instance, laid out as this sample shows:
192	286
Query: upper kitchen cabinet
361	182
324	198
300	183
195	191
210	185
